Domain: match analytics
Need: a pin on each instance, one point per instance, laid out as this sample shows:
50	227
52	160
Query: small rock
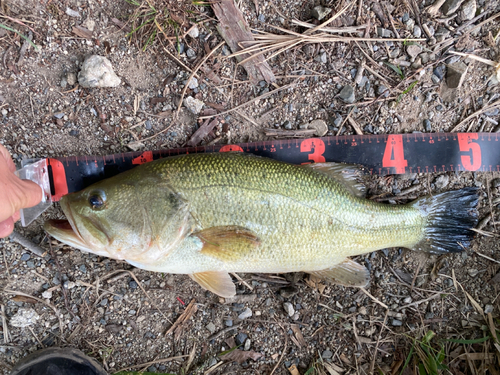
347	94
261	18
289	309
435	79
287	125
25	257
240	338
320	12
488	309
211	327
190	53
396	323
427	125
439	108
455	74
24	318
413	50
492	112
417	31
248	343
47	294
74	133
4	112
384	33
451	6
368	129
382	90
247	313
193	105
89	24
59	115
193	83
441	181
320	127
194	32
468	10
63	83
327	354
228	323
472	272
71	78
439	71
72	13
148	124
97	71
338	120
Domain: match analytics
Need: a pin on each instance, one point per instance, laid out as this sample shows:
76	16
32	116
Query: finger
6	227
16	216
6	155
31	194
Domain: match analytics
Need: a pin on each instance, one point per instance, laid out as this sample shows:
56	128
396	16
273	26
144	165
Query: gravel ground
120	315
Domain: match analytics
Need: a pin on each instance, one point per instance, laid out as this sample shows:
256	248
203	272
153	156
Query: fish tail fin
450	218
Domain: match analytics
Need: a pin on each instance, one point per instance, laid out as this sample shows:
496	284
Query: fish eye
97	200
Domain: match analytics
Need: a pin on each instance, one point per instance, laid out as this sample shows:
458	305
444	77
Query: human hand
14	193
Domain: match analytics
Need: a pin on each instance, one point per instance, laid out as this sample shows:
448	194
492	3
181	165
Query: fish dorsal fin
218	282
347	273
227	243
349	175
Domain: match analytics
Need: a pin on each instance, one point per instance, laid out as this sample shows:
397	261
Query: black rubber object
58	361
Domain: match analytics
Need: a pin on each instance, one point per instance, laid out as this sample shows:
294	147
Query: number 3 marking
470	162
394	154
317	145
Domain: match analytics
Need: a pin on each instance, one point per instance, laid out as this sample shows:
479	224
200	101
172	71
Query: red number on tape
317	146
394	155
470	162
145	157
229	148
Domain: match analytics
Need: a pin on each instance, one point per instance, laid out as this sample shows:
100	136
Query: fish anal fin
218	282
347	273
227	243
349	175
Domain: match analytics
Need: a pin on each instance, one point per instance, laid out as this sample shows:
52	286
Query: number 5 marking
470	162
315	145
394	154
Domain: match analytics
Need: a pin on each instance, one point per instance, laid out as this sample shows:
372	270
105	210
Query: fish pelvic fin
450	218
348	175
218	282
227	243
347	273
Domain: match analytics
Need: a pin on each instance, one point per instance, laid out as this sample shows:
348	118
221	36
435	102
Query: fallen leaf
82	32
238	355
202	132
23	299
298	335
183	320
333	369
293	370
135	145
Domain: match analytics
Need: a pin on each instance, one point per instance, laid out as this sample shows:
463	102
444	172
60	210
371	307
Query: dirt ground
121	315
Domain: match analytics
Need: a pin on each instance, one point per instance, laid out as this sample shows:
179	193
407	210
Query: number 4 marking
394	154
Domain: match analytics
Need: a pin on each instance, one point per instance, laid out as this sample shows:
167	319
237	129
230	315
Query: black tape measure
380	154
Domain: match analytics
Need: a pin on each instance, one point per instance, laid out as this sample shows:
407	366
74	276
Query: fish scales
305	219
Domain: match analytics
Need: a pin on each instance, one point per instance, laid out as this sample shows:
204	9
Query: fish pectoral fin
349	175
218	282
347	273
227	243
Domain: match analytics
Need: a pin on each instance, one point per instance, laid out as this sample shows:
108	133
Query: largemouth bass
207	215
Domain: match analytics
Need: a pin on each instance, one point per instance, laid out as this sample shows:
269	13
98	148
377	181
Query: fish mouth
66	230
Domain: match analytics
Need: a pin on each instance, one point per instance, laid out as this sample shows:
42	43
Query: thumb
31	194
6	227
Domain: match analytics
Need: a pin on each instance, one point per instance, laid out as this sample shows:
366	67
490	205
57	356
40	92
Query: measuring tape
379	154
